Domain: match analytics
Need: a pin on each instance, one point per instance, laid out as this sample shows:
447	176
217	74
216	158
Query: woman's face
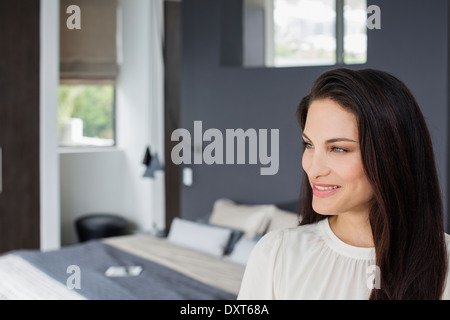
332	160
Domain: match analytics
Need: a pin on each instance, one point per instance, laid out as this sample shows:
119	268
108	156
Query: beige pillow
282	219
251	219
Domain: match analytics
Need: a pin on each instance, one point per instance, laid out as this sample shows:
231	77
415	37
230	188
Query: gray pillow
242	250
198	236
236	234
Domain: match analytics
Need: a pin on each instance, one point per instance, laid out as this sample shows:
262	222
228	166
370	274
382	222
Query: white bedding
217	272
20	280
199	253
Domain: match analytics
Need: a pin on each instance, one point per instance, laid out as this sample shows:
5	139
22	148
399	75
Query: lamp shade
147	157
153	166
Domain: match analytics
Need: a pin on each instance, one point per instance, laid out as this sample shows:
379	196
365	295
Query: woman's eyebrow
333	140
305	136
339	140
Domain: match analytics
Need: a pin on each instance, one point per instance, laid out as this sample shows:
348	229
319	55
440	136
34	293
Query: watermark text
235	147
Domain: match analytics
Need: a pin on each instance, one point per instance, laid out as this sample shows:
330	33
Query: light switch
187	176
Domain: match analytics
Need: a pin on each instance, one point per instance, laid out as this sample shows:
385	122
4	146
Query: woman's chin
327	211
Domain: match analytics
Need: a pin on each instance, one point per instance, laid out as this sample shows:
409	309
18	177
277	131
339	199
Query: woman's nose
315	164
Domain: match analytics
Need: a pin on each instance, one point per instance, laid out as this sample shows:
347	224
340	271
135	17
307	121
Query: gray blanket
156	282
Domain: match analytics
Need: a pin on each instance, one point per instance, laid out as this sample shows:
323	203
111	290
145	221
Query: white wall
49	162
140	109
91	182
111	180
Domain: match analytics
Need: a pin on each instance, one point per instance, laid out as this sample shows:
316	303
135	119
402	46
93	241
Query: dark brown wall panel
19	124
172	58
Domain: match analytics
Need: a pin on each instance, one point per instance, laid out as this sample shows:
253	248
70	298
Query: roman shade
88	54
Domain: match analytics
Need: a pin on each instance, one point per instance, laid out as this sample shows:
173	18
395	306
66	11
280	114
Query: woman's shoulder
446	294
301	230
447	242
289	236
272	254
447	238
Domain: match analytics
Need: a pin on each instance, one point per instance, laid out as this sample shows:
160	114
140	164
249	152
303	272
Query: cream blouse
310	262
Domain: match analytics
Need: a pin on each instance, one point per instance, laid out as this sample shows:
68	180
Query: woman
370	206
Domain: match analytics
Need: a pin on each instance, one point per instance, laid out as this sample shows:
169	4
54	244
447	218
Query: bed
198	260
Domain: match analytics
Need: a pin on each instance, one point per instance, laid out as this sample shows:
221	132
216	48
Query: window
304	32
355	36
86	115
88	72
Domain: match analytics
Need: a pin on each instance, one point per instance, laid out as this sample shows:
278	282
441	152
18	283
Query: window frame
269	34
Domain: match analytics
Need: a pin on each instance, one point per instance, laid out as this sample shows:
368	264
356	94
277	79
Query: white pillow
201	237
282	219
251	219
242	250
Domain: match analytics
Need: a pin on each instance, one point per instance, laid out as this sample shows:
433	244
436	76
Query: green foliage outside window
94	104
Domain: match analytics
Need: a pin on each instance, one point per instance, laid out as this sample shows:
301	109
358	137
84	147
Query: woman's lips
324	190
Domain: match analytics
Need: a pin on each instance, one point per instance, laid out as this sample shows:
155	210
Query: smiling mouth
324	190
321	188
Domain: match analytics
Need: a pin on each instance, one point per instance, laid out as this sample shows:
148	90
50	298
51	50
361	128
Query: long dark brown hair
406	216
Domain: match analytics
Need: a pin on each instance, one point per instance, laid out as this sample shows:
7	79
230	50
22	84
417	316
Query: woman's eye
307	145
337	149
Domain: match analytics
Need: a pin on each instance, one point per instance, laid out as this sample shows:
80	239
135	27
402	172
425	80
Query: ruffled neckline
341	247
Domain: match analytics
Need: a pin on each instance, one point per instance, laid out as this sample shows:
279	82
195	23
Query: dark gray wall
412	44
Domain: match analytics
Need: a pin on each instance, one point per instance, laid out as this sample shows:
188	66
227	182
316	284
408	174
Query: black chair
100	225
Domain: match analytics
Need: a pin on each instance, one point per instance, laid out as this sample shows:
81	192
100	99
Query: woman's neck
353	229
